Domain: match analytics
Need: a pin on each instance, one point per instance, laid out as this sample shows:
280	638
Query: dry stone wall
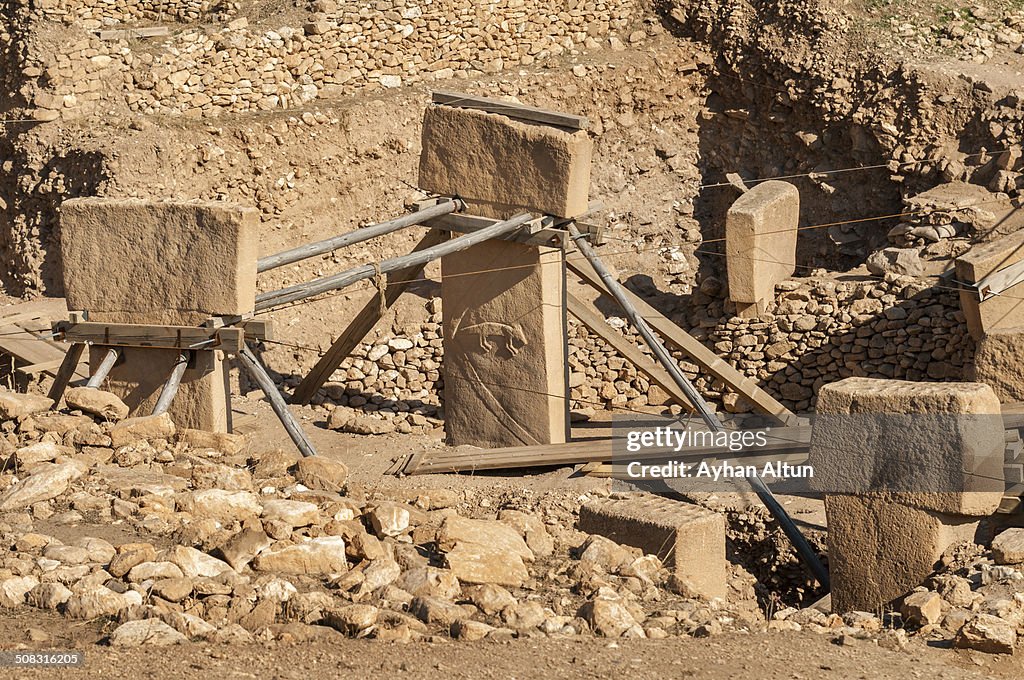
338	49
819	332
90	14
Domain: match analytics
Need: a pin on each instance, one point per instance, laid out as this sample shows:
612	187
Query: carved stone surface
504	340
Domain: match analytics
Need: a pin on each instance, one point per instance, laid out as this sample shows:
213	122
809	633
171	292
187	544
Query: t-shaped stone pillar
159	262
907	470
504	320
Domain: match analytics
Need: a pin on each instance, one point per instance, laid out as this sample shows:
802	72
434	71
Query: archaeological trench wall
768	108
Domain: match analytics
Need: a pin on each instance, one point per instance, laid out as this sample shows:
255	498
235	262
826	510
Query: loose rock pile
228	547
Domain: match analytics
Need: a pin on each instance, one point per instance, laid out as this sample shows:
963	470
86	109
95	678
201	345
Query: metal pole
266	383
346	278
807	553
66	370
358	236
104	368
170	388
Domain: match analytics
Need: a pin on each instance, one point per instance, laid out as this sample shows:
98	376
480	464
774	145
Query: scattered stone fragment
96	402
46	481
17	406
987	633
324	555
1008	546
317	472
150	632
922	608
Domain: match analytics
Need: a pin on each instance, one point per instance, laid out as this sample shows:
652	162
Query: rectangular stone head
760	240
933	446
147	261
1001	311
501	166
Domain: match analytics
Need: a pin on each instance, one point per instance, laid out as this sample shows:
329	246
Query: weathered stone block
501	166
999	363
879	549
1001	311
760	241
144	261
934	446
504	337
687	538
203	395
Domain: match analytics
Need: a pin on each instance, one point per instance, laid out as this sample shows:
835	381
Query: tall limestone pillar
504	302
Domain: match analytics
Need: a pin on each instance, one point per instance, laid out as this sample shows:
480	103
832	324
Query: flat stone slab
934	446
1001	311
501	166
760	240
146	261
687	538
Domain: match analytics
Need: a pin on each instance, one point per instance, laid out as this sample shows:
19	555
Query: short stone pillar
503	303
760	244
1000	311
159	262
907	470
999	363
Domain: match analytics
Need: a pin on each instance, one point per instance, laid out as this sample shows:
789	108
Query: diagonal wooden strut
364	322
696	351
626	349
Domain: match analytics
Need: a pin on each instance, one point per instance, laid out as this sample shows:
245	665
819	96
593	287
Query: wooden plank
66	372
45	367
27	347
142	335
133	33
780	440
626	349
364	322
693	349
510	109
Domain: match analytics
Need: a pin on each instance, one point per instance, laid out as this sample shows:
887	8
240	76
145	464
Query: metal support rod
804	548
170	388
103	369
266	383
346	278
66	370
358	236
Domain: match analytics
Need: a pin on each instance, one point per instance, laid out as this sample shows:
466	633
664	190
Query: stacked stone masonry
820	332
340	49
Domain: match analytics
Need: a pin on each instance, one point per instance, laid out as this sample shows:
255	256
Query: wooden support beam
781	440
695	350
510	109
66	372
141	335
626	349
260	376
309	250
327	284
364	322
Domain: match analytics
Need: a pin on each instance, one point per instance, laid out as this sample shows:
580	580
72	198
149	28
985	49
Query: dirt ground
775	655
